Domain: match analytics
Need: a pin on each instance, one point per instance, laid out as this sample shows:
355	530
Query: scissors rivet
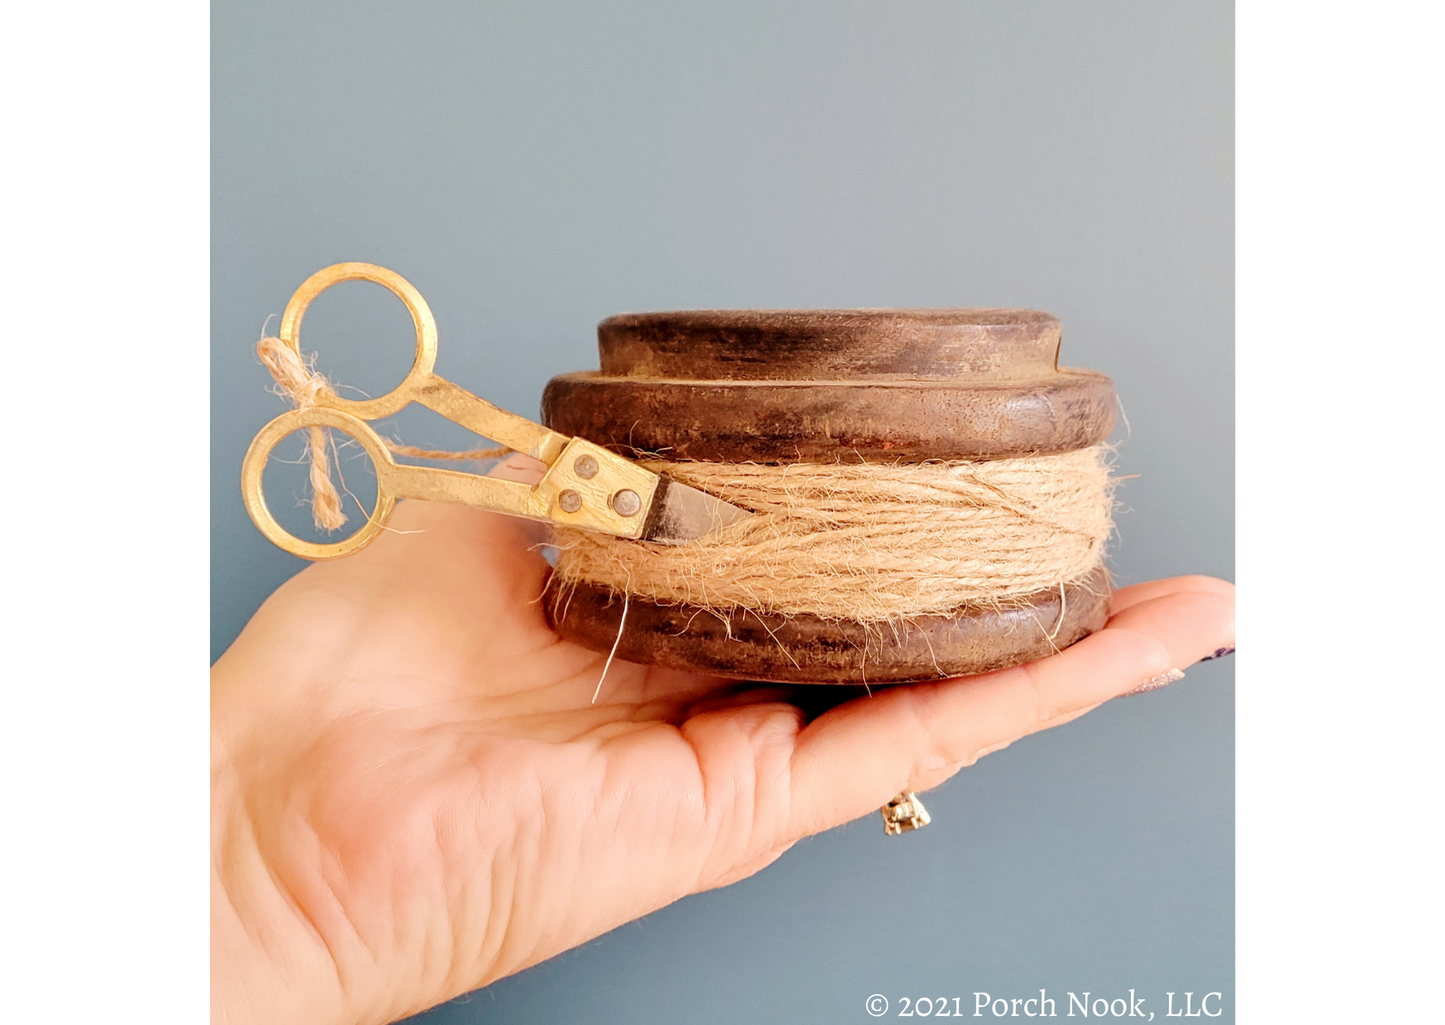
570	501
585	467
627	503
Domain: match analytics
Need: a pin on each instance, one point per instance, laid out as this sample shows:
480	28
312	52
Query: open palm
414	795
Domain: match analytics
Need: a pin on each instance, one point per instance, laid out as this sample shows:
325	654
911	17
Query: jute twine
872	543
299	381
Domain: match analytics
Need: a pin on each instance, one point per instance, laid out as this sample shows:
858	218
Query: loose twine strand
299	381
873	543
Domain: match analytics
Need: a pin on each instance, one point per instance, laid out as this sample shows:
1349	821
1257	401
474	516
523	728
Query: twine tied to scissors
303	385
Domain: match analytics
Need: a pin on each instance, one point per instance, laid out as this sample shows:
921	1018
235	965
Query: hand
412	795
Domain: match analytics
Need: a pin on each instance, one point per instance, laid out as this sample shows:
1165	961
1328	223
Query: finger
453	565
419	527
431	533
1174	624
1132	595
928	780
854	758
440	524
1190	624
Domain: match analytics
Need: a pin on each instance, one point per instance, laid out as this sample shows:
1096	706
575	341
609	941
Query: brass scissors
585	486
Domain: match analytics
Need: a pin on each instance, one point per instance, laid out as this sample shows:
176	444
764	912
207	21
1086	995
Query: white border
1339	274
103	635
105	283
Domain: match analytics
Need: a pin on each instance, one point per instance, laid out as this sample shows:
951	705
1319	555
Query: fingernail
1164	679
1219	653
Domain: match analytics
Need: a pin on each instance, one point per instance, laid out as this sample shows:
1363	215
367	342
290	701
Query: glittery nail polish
1164	679
1219	653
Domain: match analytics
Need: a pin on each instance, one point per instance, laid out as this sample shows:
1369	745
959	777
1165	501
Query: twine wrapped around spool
872	543
931	492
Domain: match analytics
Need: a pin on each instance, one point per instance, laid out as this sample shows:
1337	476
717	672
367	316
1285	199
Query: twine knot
298	381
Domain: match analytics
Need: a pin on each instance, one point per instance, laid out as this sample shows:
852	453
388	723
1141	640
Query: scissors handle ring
255	465
421	317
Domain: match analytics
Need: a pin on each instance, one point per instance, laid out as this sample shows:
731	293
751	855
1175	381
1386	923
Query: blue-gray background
534	168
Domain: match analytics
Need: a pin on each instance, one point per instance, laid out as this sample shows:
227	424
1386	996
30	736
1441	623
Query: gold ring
904	813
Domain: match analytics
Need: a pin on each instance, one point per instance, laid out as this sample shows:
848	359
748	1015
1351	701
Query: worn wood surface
821	386
824	385
806	649
818	345
853	421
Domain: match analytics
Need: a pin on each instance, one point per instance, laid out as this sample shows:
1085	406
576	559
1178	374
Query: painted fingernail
1164	679
1219	653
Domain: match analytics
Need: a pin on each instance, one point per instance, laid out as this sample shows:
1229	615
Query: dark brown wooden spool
779	386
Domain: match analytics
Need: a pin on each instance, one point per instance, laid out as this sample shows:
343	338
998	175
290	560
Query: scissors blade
680	514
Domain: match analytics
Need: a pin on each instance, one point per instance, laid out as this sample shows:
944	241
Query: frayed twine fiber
298	380
872	543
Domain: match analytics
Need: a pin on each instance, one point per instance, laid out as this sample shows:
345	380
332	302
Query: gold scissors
585	486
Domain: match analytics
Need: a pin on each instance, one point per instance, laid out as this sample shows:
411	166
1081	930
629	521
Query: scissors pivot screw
570	501
585	467
627	503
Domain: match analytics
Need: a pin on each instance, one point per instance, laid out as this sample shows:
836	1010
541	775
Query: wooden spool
788	386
